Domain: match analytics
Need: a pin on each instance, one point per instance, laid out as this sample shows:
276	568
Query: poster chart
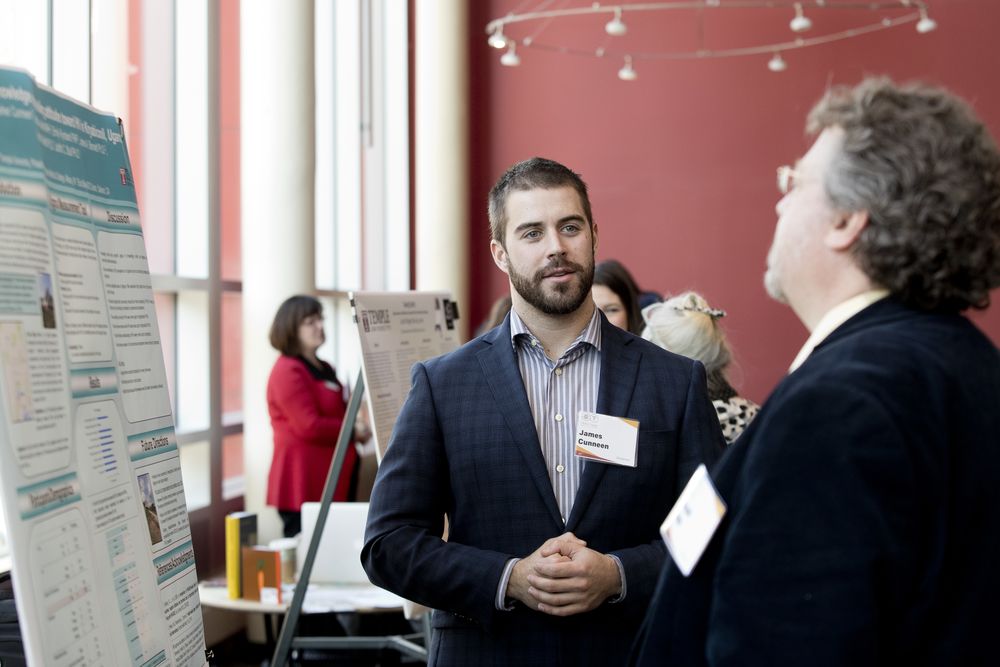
103	564
398	329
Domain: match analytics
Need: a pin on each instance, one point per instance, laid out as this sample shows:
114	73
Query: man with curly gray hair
861	523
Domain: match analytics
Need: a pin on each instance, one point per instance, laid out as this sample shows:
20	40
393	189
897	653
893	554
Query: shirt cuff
621	573
501	601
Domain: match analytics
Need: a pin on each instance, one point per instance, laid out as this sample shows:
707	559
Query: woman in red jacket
307	405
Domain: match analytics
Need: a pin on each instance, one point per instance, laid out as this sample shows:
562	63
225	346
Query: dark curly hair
928	173
612	274
536	172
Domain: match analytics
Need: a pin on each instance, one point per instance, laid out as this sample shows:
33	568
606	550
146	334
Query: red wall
681	162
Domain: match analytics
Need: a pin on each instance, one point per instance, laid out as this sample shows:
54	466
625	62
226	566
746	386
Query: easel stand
286	639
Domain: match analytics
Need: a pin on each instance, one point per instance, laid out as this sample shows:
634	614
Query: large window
170	69
362	161
180	54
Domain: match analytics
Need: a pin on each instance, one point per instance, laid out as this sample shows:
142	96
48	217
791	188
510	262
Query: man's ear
846	229
593	232
499	255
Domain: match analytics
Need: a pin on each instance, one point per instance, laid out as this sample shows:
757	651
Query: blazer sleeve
699	441
293	390
403	550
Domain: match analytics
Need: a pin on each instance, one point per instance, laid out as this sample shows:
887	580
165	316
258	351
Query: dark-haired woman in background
615	293
307	405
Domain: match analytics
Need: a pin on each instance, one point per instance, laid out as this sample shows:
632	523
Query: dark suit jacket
465	445
864	511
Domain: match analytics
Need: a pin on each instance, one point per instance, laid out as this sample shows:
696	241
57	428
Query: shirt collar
833	319
591	333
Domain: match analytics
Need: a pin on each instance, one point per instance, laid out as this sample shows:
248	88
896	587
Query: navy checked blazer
465	446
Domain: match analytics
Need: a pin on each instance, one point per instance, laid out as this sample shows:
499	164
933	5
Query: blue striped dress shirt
557	391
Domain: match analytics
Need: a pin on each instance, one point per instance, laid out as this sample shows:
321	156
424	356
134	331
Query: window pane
395	185
155	179
196	469
110	58
232	357
338	145
326	195
193	388
191	48
24	37
70	48
342	348
229	138
347	165
232	466
166	316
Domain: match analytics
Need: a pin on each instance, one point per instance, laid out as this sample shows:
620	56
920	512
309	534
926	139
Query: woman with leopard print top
688	326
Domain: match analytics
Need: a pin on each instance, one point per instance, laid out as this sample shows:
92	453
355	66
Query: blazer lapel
500	367
619	369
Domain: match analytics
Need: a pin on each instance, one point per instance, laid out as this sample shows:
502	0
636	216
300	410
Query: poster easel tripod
287	640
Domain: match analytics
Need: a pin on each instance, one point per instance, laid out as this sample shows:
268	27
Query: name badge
606	439
689	527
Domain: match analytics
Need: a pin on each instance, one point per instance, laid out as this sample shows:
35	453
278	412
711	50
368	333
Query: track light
926	23
497	40
801	22
886	14
627	73
616	27
510	58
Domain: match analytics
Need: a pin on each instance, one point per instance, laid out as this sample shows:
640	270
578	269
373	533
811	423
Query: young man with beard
549	559
862	524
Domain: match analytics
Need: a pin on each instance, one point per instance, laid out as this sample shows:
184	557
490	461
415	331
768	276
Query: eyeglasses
787	179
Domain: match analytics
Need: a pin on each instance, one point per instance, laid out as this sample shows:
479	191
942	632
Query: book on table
262	574
241	531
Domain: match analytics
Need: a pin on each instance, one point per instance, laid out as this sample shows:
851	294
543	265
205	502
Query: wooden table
347	598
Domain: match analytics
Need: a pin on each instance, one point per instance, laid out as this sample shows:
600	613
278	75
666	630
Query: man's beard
565	298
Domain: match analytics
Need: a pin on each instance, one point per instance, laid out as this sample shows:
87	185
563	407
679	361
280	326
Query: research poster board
398	329
103	565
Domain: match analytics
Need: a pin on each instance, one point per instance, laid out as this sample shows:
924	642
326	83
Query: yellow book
241	531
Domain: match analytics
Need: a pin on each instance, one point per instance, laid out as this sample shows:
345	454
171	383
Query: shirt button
558	371
534	343
560	468
558	418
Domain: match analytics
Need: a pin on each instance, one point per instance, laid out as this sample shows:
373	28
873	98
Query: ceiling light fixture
926	23
801	22
627	72
497	40
529	28
510	58
616	27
